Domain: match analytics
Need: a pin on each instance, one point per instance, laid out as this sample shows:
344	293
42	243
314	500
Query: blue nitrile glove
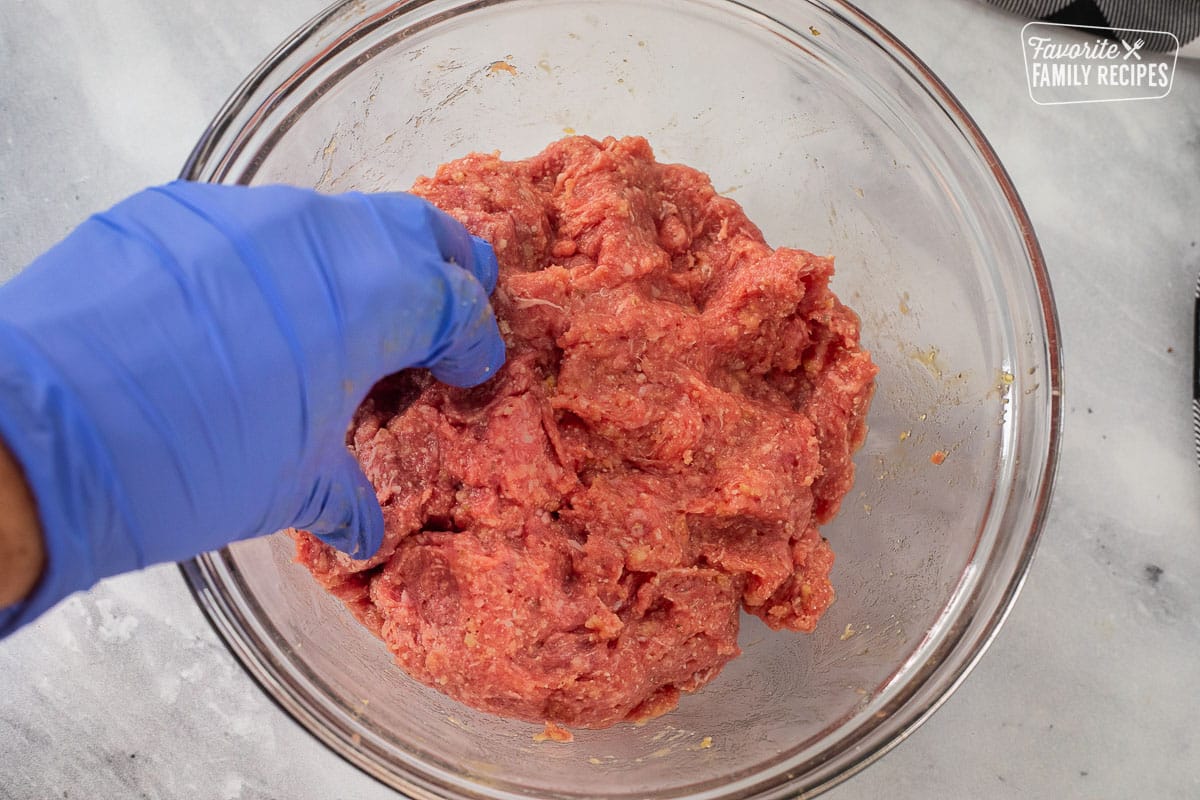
180	371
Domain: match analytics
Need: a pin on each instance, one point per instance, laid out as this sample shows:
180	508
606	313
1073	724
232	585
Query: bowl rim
947	667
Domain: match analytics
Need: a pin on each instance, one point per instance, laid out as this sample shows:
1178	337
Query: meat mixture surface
573	541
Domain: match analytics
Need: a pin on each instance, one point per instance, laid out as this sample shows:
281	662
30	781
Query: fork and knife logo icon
1132	49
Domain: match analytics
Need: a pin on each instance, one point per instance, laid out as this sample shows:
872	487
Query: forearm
22	552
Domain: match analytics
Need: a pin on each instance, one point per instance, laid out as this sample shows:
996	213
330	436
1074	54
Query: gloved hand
180	372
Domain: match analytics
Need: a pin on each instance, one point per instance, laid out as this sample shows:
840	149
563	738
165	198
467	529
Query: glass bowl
835	139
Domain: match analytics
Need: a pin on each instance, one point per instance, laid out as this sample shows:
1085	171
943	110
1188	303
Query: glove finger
344	510
459	247
485	268
453	242
472	350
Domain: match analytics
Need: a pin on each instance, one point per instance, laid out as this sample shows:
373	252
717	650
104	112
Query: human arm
21	552
179	373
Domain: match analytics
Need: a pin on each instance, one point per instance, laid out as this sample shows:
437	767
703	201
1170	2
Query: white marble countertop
1090	689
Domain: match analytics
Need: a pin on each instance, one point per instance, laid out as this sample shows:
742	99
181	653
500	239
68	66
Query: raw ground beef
573	540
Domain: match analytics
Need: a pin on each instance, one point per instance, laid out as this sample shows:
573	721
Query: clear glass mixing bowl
834	138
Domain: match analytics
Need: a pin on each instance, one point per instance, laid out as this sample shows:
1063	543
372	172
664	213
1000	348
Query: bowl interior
834	140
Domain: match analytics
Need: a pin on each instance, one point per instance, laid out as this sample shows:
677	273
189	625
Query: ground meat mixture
573	540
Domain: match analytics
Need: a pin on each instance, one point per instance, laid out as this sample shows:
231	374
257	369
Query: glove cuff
64	462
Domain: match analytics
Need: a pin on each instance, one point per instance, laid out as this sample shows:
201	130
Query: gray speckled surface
1090	689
